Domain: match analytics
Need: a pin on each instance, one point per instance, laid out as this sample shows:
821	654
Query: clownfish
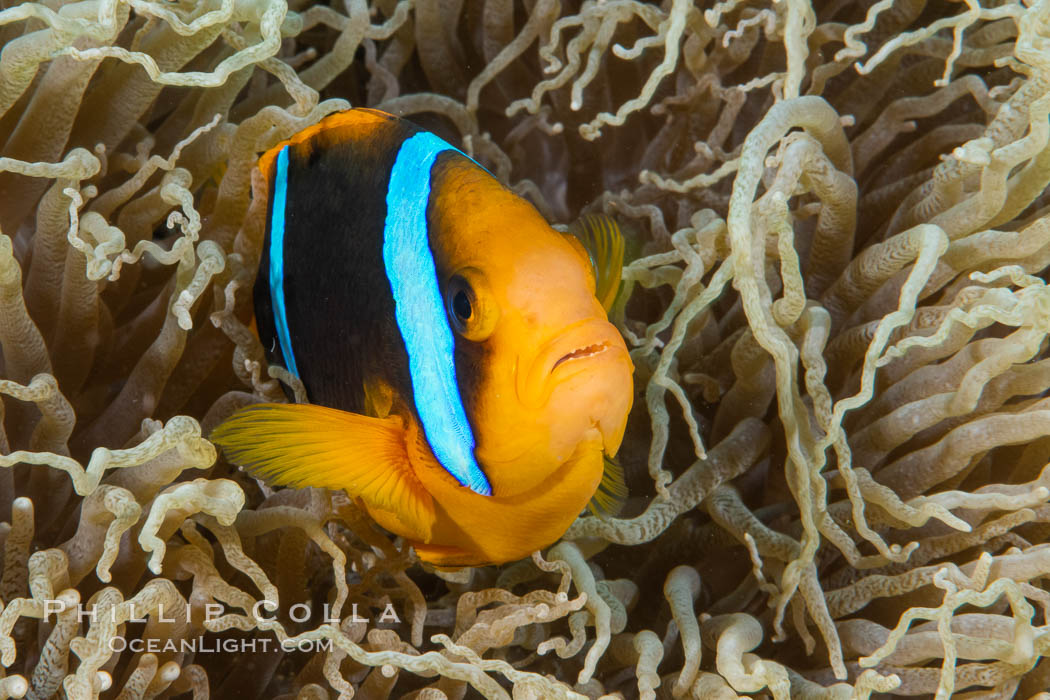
465	384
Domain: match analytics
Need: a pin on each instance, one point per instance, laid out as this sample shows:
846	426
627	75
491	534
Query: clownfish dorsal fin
601	236
611	495
306	445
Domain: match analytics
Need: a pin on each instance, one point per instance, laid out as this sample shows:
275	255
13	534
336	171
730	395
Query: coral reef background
838	456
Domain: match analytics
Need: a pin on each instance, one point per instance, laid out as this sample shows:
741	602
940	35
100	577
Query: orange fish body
470	385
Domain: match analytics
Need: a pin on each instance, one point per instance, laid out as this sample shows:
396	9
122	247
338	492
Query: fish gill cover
838	458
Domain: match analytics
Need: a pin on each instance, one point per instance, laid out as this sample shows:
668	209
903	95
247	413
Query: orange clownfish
465	384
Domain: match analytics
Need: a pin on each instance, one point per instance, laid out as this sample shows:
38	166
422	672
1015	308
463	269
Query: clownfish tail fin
611	495
601	236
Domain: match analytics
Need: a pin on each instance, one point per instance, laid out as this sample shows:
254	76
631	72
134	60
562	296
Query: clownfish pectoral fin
601	236
305	445
611	495
379	397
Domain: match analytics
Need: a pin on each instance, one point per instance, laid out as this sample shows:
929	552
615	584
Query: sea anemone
838	230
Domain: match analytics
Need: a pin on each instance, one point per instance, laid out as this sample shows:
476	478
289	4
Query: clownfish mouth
575	349
581	353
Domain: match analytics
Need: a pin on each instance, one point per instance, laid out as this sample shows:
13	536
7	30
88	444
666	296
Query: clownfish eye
472	311
461	300
461	306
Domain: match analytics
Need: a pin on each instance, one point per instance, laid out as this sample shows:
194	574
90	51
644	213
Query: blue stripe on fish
420	312
280	317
